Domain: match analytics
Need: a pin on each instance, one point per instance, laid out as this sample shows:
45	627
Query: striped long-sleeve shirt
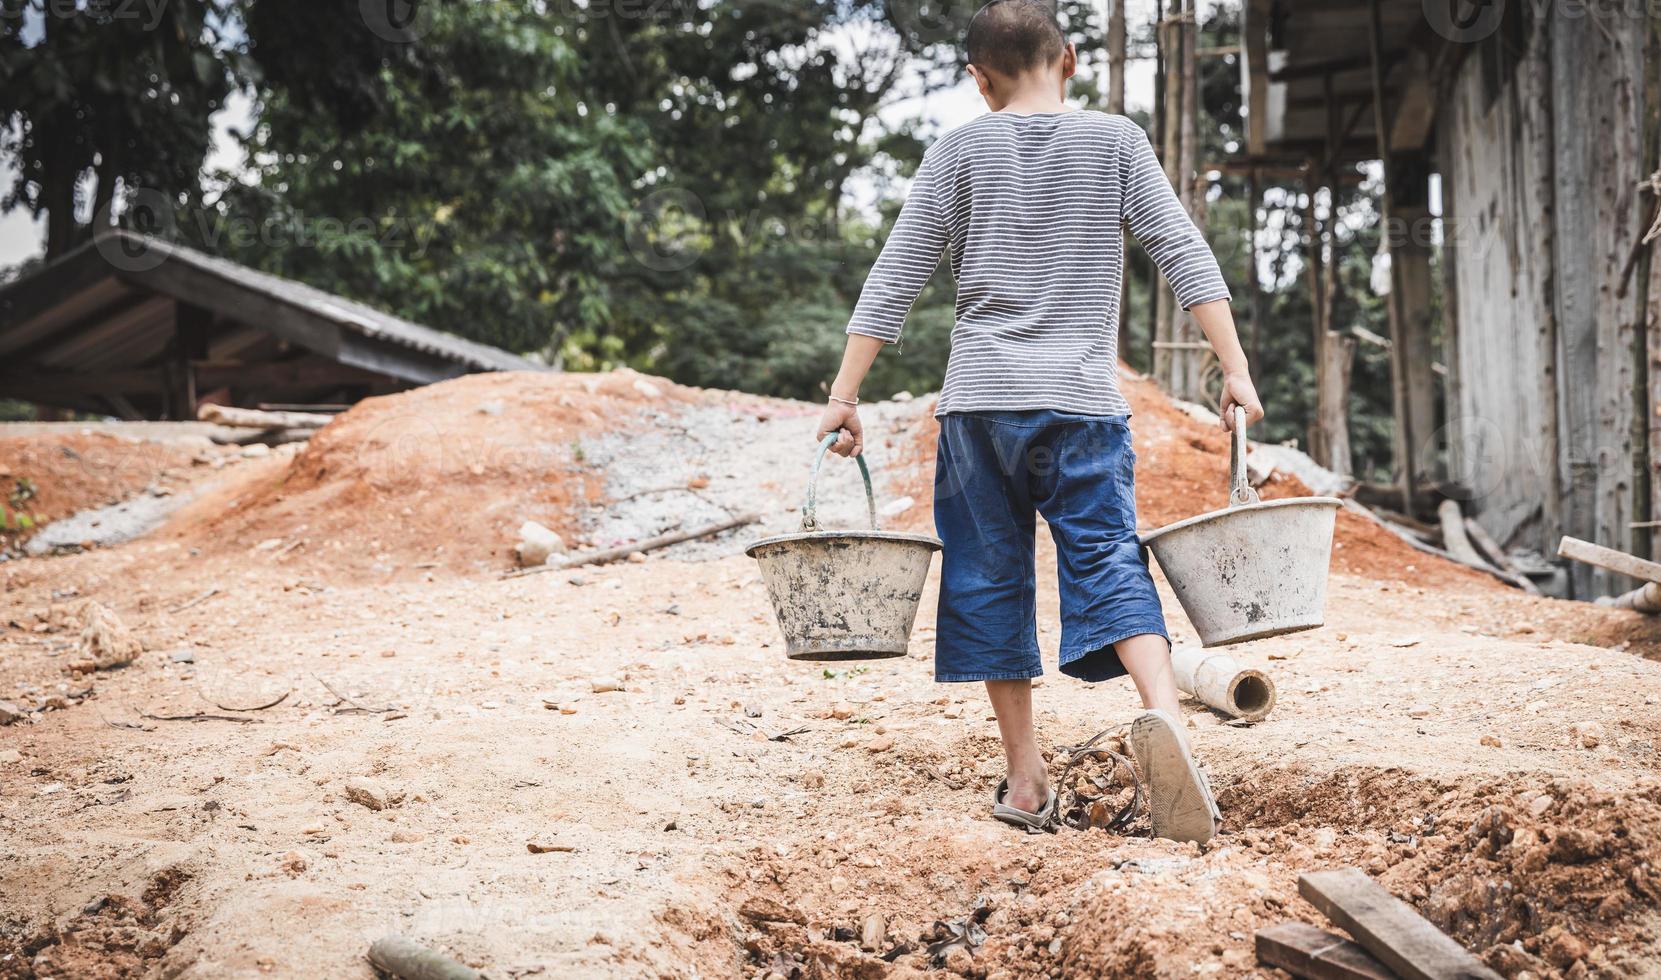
1031	208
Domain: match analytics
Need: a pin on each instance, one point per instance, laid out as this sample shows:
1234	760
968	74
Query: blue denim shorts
994	471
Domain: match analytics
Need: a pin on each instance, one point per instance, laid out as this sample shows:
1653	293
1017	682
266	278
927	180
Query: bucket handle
1240	491
810	520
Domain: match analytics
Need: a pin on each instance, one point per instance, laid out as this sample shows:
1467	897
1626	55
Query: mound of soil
47	477
435	478
1182	470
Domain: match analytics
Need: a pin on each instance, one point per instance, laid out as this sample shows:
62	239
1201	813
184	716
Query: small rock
258	450
881	743
293	862
1540	804
10	713
813	779
577	580
1419	711
106	642
637	558
842	711
537	544
896	507
605	685
1492	741
406	837
182	656
1586	734
367	792
1565	949
873	932
10	755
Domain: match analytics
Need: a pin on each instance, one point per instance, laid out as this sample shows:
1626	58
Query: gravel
655	471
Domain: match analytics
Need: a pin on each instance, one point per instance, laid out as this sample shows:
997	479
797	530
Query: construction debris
1219	682
1389	928
250	418
409	960
652	544
1305	951
1645	599
106	643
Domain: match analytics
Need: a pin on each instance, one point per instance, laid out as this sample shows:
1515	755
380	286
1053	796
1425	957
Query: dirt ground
615	771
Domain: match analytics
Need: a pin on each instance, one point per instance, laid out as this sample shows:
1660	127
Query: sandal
1032	823
1179	801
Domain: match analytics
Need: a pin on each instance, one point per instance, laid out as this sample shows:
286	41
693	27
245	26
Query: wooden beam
1305	951
1330	66
1389	928
1398	356
1620	562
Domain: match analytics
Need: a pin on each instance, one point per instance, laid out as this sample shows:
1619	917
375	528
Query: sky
22	237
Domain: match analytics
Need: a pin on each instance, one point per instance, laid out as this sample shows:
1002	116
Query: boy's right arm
907	262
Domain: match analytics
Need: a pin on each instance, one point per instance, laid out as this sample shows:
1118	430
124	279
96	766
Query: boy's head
1017	42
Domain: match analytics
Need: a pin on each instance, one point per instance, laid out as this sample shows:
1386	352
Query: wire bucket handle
810	519
1240	492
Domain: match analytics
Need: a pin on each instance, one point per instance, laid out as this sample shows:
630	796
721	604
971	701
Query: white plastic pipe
1219	681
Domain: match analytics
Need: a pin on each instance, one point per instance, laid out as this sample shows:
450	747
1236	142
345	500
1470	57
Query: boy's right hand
843	418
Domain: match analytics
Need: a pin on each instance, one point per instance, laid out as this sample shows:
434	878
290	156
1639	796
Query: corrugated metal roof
345	314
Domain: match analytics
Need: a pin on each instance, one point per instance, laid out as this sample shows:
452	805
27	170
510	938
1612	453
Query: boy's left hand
1238	390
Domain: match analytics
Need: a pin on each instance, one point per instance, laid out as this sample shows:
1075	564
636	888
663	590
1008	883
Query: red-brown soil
704	807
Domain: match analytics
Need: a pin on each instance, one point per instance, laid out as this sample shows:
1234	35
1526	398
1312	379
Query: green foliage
668	189
120	89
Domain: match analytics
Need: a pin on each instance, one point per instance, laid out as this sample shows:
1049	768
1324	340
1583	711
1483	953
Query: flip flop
1032	823
1179	802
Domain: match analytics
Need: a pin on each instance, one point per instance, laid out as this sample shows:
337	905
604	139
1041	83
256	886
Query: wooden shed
143	329
1536	124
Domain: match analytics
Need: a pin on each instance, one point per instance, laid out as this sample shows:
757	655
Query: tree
464	179
123	91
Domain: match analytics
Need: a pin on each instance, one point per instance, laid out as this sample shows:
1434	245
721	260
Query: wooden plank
1496	555
1389	928
1305	951
1609	559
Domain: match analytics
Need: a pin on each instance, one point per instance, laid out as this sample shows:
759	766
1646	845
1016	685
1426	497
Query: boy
1029	199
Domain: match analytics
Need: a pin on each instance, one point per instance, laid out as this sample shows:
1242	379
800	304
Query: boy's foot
1032	821
1178	799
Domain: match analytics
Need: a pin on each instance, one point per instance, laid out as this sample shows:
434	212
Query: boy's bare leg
1029	778
1148	659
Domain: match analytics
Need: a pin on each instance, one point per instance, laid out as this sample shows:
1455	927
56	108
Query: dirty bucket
1254	569
844	595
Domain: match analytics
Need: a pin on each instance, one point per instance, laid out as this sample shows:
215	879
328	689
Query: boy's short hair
1015	36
